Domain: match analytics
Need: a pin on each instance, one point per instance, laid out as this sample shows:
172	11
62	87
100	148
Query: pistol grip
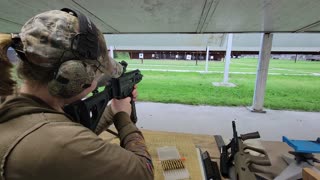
133	115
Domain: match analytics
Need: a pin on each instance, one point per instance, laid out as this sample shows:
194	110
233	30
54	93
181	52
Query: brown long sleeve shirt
50	146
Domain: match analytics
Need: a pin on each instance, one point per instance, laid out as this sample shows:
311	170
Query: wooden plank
185	143
274	149
309	174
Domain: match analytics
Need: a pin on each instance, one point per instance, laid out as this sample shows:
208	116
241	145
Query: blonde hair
25	70
7	84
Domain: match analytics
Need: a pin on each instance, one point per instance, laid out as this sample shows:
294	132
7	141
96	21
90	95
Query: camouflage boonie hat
47	40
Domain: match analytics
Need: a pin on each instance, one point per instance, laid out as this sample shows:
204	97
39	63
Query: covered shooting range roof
176	16
284	42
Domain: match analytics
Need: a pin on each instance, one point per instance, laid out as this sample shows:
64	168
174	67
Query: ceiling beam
305	28
11	22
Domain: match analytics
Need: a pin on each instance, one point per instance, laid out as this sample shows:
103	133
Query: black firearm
89	111
238	163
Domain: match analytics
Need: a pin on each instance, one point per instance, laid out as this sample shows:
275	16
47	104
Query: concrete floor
213	120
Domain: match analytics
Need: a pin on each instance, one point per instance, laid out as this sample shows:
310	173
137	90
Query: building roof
302	42
176	16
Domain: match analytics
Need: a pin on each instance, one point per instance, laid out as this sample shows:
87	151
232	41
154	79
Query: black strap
18	47
85	44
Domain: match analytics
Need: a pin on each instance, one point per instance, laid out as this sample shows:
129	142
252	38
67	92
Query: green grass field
237	66
294	86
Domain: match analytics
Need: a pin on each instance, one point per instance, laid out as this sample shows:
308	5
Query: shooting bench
303	158
186	143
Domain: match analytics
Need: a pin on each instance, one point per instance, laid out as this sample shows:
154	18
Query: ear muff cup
72	78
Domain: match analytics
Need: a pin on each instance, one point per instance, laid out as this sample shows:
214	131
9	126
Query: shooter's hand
121	105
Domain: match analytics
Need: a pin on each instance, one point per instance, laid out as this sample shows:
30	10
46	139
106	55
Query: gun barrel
233	125
235	134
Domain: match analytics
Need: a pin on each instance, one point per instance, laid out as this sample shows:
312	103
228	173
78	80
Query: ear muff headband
85	45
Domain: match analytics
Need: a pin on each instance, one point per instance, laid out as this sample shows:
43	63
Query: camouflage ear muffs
73	76
71	79
53	38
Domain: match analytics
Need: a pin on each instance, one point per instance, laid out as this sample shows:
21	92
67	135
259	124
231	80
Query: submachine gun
89	111
237	163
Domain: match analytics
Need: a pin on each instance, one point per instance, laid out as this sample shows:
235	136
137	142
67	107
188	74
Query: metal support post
207	59
111	48
262	72
228	57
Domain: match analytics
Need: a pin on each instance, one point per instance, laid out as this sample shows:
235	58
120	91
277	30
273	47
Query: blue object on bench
303	146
